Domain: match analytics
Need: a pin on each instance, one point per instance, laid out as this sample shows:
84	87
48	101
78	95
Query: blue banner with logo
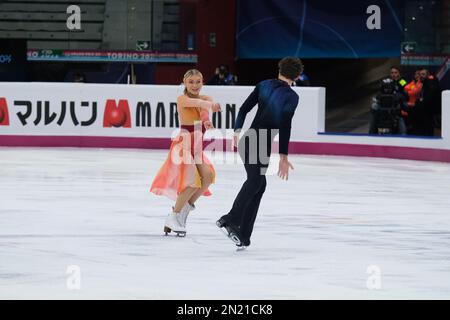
272	29
13	54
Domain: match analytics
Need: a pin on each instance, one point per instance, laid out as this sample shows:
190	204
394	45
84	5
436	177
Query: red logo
117	115
4	116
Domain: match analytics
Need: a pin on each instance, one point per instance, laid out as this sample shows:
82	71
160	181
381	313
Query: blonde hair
188	74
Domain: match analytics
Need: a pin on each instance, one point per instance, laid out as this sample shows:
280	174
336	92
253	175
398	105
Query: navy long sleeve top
276	106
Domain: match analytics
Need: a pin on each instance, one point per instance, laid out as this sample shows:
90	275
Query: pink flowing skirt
179	170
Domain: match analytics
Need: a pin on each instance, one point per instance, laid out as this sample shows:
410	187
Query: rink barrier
31	115
307	148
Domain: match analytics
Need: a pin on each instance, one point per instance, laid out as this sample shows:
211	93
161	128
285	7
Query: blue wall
272	29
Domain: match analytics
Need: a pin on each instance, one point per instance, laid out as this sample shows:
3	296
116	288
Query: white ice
340	228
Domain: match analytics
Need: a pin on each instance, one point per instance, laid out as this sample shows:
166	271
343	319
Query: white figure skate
173	224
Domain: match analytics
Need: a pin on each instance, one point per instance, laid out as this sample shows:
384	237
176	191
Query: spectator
222	77
400	82
413	90
426	115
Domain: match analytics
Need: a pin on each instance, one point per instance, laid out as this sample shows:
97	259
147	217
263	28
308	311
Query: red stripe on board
316	148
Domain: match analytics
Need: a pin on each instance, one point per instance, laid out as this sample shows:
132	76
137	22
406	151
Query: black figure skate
232	231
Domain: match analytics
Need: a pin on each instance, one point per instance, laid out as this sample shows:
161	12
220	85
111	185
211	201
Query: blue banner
272	29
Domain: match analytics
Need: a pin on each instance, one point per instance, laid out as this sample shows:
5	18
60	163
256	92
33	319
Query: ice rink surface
81	224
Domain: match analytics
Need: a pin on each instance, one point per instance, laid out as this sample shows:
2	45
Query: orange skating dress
179	170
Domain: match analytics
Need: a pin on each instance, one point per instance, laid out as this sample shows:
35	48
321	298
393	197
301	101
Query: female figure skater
187	173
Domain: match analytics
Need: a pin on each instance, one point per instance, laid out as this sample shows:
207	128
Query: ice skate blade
231	235
224	232
167	230
241	248
235	239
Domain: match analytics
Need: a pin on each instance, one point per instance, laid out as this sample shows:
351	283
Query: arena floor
81	224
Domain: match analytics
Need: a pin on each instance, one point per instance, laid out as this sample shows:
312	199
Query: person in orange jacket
413	90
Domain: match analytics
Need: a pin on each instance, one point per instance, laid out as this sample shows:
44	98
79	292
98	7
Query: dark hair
223	68
290	67
396	68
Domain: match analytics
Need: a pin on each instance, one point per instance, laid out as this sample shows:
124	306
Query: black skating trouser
246	205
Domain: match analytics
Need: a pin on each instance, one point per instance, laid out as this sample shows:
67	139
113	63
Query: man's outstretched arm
248	105
285	136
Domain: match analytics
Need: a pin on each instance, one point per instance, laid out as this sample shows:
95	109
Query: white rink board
309	119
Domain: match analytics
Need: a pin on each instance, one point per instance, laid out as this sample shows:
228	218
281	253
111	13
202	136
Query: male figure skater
276	106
